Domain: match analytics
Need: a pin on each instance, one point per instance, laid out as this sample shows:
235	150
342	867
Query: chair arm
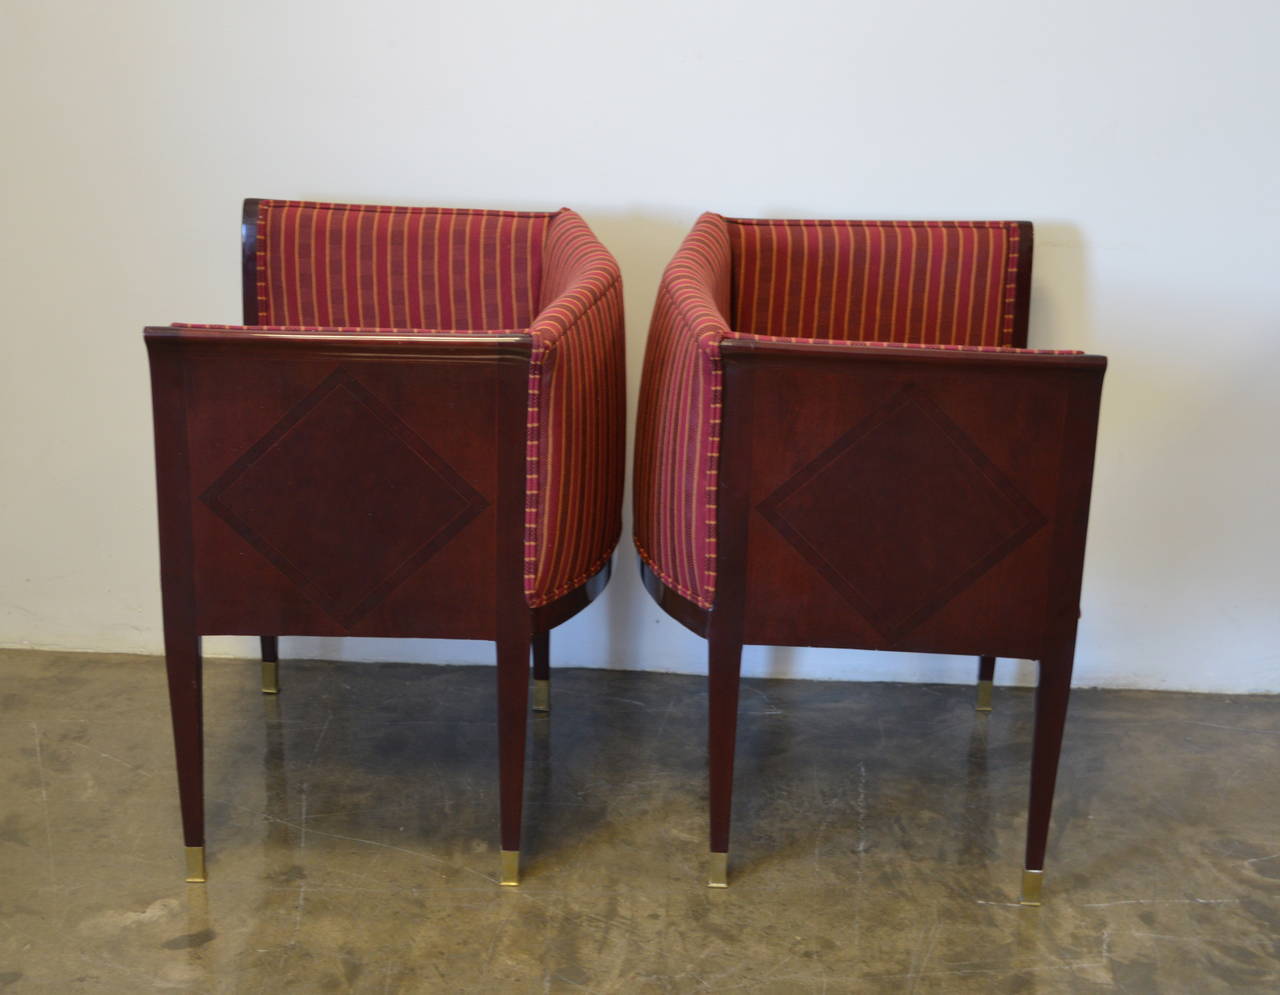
578	274
340	482
577	414
775	347
299	340
678	425
941	493
693	296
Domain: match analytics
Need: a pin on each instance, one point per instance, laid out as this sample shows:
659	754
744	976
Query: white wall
1140	137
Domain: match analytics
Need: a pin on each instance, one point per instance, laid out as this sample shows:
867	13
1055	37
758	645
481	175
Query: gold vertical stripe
985	258
974	255
928	333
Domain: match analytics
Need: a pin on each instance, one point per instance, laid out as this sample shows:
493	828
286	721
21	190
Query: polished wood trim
783	350
548	616
348	345
1022	284
684	611
249	260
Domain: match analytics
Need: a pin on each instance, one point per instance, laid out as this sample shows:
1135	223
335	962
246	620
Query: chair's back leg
542	672
986	681
513	705
270	665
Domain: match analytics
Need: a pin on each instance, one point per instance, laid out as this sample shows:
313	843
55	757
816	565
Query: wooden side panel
335	490
927	502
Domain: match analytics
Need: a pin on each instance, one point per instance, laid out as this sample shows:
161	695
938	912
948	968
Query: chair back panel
577	415
936	282
396	267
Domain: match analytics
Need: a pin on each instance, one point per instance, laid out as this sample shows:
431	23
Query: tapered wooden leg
1052	694
986	682
542	672
182	662
724	660
270	665
513	704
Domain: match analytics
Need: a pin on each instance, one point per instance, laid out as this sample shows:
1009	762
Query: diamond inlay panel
899	552
344	498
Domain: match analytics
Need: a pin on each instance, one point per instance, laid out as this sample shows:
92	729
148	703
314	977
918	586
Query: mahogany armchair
419	432
840	444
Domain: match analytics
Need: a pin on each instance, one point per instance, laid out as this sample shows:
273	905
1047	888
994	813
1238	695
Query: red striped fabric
397	267
937	282
577	413
410	270
891	285
678	424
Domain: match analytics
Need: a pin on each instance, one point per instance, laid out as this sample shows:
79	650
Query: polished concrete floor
877	838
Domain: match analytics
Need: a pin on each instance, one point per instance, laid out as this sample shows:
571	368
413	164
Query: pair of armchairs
419	431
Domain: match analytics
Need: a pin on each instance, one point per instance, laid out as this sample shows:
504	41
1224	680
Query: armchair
840	444
417	433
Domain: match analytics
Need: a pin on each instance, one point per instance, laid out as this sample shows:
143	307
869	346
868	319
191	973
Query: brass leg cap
1032	882
542	696
510	867
270	677
983	703
195	865
718	870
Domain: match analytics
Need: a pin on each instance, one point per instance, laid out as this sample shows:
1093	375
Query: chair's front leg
724	660
182	662
542	672
270	665
1052	694
513	704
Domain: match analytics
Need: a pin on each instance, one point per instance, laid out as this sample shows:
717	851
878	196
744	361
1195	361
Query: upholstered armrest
693	297
578	276
678	427
577	413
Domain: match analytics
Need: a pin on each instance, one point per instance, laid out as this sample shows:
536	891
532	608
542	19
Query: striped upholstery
909	285
577	413
340	267
944	282
397	267
678	425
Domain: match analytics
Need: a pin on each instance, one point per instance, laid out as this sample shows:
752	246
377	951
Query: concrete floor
877	838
